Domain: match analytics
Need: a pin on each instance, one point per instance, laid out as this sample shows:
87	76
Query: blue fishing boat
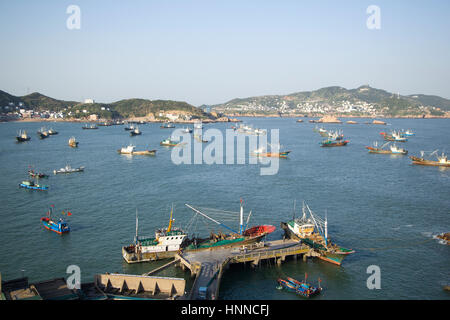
59	226
301	288
27	184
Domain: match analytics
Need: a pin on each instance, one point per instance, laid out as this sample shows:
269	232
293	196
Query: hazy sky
213	51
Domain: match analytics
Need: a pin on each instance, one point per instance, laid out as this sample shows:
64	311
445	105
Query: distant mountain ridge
123	108
339	99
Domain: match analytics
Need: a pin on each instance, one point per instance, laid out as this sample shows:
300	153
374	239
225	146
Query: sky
209	52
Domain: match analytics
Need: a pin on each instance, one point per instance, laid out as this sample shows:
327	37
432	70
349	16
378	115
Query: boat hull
40	188
334	144
20	139
382	151
53	227
146	256
423	162
332	257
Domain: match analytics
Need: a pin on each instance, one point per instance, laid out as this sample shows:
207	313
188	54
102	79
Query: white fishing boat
68	169
165	244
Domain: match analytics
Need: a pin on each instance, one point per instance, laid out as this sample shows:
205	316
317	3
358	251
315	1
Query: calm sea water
380	205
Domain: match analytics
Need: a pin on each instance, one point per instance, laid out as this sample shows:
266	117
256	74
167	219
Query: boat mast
170	222
326	228
241	219
137	225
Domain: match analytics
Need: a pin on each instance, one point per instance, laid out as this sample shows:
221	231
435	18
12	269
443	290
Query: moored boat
22	136
28	184
169	143
334	143
392	149
68	169
52	132
60	226
43	133
301	288
34	174
165	244
442	160
130	150
262	153
167	125
135	132
313	231
235	238
73	142
90	127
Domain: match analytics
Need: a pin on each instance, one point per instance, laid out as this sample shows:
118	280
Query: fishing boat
23	136
90	127
28	184
167	125
165	244
130	150
73	142
323	132
409	133
394	136
300	120
393	149
43	133
234	238
301	288
261	152
129	128
59	226
68	169
442	160
186	130
135	132
334	143
52	132
169	143
199	138
313	231
38	175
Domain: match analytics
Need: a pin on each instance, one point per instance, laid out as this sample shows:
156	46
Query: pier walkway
208	265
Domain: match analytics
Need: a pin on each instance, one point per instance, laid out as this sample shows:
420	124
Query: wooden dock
208	266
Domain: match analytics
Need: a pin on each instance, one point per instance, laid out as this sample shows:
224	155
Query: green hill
359	101
120	109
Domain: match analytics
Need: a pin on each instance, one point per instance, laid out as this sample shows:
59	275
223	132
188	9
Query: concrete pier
208	266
